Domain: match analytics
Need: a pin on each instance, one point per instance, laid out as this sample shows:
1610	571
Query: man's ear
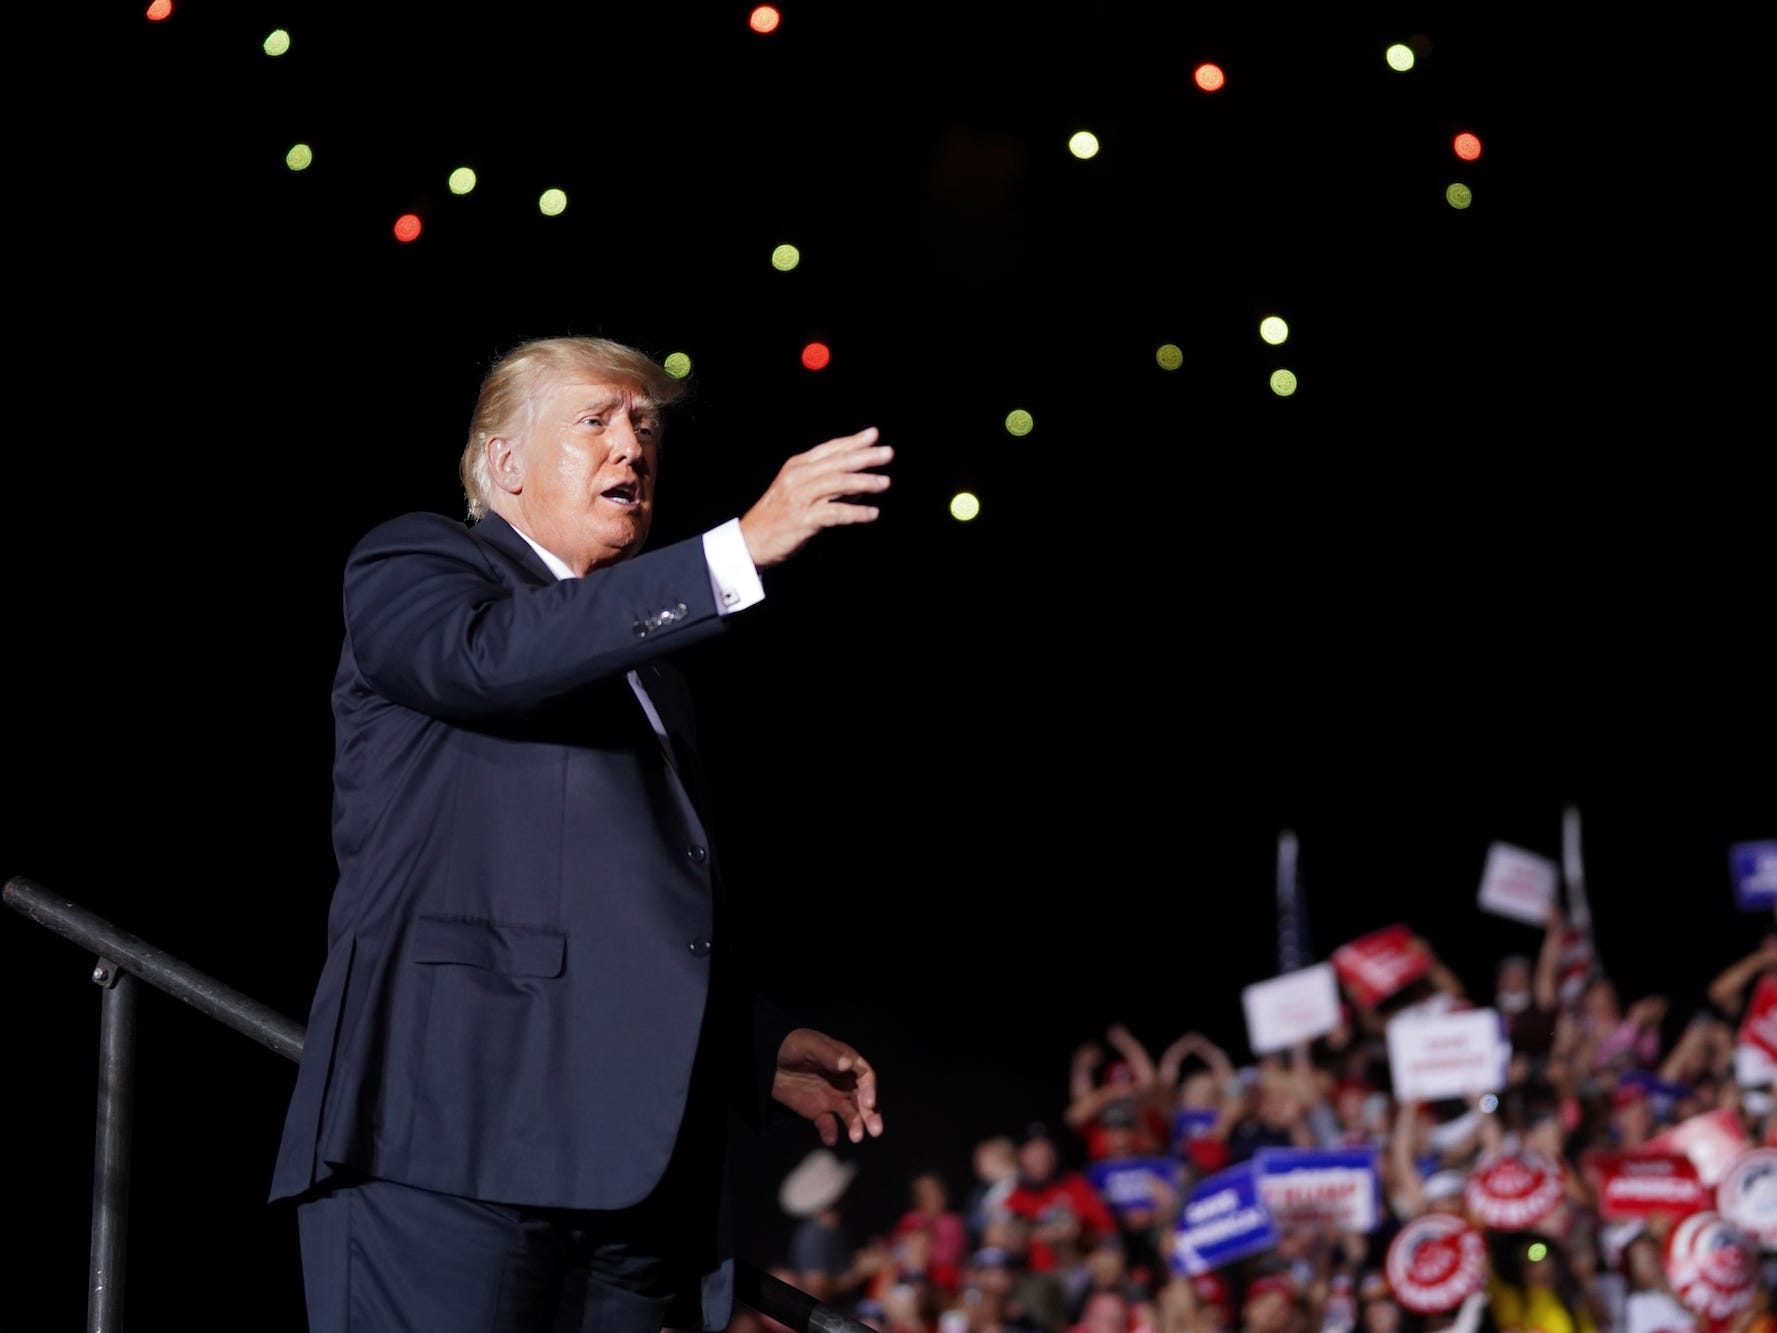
504	464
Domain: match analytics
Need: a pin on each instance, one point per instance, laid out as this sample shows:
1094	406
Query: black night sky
992	786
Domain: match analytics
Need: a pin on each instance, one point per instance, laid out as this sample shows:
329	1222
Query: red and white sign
1435	1262
1710	1140
1712	1265
1518	884
1289	1010
1747	1195
1759	1027
1513	1191
1631	1186
1434	1056
1377	965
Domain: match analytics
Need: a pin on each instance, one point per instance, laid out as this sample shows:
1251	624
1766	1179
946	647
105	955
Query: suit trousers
379	1256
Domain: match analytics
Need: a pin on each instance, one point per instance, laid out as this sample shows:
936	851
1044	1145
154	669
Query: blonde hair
509	389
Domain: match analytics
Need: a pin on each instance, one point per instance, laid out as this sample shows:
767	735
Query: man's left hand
826	1081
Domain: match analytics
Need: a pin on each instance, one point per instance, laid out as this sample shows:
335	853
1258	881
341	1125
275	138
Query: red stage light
407	227
1467	146
816	355
159	10
1209	77
763	19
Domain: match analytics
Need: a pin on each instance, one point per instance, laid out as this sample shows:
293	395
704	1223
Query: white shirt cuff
733	577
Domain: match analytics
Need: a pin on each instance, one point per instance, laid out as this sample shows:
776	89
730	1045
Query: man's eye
591	421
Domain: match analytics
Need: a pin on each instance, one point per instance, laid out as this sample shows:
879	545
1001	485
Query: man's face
586	463
1513	991
1037	1160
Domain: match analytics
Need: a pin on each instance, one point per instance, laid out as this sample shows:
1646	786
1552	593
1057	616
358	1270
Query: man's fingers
858	439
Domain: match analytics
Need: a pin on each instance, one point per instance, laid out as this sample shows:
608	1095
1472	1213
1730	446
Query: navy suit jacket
529	923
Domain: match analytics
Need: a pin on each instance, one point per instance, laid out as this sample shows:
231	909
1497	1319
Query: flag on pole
1293	951
1579	951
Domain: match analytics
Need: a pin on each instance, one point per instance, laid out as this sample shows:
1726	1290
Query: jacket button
697	854
700	946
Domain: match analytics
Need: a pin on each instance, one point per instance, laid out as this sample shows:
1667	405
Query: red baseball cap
1265	1283
1211	1289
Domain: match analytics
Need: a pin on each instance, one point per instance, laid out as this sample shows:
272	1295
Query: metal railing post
111	1146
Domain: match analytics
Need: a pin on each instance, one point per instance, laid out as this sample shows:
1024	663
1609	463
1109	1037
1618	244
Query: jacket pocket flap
510	949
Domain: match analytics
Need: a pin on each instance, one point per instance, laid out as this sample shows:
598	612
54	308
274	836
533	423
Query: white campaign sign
1518	884
1291	1009
1434	1056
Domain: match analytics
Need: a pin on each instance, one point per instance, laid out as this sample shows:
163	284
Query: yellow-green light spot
1283	383
1170	356
277	43
1537	1252
462	180
785	258
1400	57
298	158
1273	330
1459	195
677	364
553	202
964	506
1019	422
1083	144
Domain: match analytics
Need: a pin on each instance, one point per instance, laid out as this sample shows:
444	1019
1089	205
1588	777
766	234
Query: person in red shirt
1060	1204
1129	1084
945	1232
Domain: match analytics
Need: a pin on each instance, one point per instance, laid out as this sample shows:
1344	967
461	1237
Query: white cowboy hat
816	1184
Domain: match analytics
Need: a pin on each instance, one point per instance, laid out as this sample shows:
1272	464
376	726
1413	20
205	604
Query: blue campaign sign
1662	1097
1135	1184
1192	1122
1755	874
1338	1187
1223	1220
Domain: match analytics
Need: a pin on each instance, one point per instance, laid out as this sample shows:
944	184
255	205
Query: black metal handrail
121	959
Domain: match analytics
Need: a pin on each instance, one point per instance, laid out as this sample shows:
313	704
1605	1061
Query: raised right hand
810	492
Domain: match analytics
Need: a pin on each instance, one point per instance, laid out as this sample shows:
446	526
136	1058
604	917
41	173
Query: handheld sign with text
1136	1186
1375	966
1434	1056
1635	1186
1223	1220
1291	1009
1712	1265
1759	1027
1435	1262
1518	884
1747	1195
1513	1191
1710	1139
1190	1123
1754	867
1315	1187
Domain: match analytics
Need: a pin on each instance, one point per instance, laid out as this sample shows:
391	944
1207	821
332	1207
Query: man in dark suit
527	1037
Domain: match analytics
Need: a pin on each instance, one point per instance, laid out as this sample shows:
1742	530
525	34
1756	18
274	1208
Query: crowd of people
1073	1227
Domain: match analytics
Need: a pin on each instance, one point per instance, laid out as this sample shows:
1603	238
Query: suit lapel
667	690
665	686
